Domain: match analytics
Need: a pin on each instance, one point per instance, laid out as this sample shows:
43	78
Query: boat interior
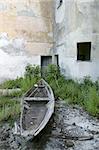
35	109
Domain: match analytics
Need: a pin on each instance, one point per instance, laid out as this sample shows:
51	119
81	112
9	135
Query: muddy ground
70	128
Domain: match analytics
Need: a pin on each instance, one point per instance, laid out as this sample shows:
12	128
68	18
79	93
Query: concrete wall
77	21
26	32
30	20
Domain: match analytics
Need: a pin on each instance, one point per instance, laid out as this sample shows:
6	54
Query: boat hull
37	107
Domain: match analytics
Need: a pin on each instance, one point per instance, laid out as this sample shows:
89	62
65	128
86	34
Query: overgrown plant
92	102
32	71
85	94
31	76
52	74
9	109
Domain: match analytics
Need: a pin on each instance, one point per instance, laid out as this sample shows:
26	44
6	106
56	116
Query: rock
74	124
5	132
4	145
69	143
14	145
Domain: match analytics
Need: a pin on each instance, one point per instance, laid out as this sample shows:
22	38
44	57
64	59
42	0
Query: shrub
32	71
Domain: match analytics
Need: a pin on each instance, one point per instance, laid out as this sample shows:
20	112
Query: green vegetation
31	76
9	109
85	94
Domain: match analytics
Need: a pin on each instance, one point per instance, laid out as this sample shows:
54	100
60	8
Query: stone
74	124
69	143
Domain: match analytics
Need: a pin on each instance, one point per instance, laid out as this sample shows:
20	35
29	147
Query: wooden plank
36	99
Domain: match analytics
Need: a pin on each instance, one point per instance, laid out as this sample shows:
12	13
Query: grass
9	109
92	102
85	94
31	76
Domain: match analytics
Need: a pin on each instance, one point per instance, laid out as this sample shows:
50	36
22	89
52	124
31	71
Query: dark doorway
45	61
83	51
57	60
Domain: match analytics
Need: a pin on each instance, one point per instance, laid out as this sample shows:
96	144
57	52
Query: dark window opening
84	51
46	60
60	3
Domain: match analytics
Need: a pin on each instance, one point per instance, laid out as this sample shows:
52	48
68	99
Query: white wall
14	58
78	22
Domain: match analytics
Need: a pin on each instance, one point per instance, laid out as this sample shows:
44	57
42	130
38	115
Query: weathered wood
36	99
63	136
26	106
37	107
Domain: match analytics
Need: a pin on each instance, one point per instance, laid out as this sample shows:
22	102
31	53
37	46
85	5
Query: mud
70	128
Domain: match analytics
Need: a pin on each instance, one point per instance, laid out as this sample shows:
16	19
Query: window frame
87	55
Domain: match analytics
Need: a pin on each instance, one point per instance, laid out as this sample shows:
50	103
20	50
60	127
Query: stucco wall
26	32
77	21
30	20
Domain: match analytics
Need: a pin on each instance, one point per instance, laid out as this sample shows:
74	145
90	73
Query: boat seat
35	99
41	86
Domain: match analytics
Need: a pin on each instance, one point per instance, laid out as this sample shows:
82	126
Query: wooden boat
37	107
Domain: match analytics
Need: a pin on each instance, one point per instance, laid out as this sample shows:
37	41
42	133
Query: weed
85	94
9	109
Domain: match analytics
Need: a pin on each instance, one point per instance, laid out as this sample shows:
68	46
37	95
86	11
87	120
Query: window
60	3
83	51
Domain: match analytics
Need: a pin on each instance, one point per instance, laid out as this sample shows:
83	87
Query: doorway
45	61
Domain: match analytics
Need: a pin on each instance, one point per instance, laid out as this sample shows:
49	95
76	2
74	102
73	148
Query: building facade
64	32
26	35
77	37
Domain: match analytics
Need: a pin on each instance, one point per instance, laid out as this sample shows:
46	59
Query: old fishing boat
37	107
